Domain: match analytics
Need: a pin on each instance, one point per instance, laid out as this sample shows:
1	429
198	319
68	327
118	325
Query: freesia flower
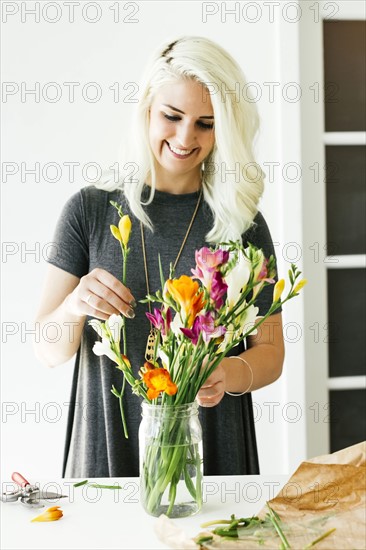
124	227
258	263
263	276
116	233
278	289
103	348
237	278
98	326
157	319
51	514
115	324
207	262
218	290
245	319
157	381
126	361
188	296
123	231
204	324
300	285
163	357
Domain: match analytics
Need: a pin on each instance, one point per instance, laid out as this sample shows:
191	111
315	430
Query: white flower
103	348
115	324
244	321
176	325
98	326
236	279
249	319
164	358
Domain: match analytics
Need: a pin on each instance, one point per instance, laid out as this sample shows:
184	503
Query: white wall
106	52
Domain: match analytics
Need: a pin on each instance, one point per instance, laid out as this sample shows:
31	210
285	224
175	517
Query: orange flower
185	293
51	514
158	380
126	361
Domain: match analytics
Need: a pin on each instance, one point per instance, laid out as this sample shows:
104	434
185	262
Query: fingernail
133	303
130	313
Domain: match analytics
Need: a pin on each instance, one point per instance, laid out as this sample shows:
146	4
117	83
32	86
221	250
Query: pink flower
218	289
263	277
158	320
207	263
205	325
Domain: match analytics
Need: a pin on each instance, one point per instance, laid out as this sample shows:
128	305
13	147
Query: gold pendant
150	345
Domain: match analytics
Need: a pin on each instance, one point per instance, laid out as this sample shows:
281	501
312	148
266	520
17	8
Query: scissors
30	495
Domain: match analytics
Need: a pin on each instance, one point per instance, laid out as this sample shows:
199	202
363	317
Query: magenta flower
158	320
207	263
263	274
205	325
218	290
263	277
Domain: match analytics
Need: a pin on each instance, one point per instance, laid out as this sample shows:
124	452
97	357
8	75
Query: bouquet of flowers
197	320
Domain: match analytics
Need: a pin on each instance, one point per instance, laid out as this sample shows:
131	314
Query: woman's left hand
213	389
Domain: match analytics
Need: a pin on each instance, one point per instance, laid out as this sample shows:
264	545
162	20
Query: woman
196	183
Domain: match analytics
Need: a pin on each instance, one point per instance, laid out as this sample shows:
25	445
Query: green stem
125	431
166	463
124	274
275	520
323	536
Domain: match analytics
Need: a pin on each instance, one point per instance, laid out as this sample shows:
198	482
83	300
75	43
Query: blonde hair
232	200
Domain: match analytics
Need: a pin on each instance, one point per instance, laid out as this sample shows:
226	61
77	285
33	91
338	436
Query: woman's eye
205	125
200	123
173	118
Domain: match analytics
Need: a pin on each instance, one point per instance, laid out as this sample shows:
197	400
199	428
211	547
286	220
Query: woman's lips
180	156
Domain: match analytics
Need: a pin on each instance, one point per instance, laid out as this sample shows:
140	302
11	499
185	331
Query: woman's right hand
100	294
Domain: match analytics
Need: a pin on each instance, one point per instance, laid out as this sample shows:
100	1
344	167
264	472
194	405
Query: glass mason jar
171	469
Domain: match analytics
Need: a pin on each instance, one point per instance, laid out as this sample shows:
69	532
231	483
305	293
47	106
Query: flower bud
300	285
115	232
126	361
278	289
124	227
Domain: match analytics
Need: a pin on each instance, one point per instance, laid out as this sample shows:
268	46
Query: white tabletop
113	519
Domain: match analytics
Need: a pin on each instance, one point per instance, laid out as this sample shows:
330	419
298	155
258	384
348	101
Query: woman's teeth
181	152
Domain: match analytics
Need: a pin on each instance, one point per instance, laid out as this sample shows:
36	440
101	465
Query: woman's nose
186	135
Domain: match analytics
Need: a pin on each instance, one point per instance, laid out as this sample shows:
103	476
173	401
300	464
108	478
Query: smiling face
181	133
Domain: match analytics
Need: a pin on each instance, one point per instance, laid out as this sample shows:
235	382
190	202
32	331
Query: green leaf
162	281
80	483
97	486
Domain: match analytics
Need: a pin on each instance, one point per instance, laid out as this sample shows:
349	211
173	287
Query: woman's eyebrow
183	113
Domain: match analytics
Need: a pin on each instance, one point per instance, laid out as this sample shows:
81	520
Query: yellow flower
51	514
300	285
158	380
124	227
115	232
278	289
184	292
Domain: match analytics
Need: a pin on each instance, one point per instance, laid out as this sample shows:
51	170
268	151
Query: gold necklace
153	334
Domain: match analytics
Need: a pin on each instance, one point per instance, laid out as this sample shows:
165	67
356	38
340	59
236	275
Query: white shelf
347	383
344	138
349	261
